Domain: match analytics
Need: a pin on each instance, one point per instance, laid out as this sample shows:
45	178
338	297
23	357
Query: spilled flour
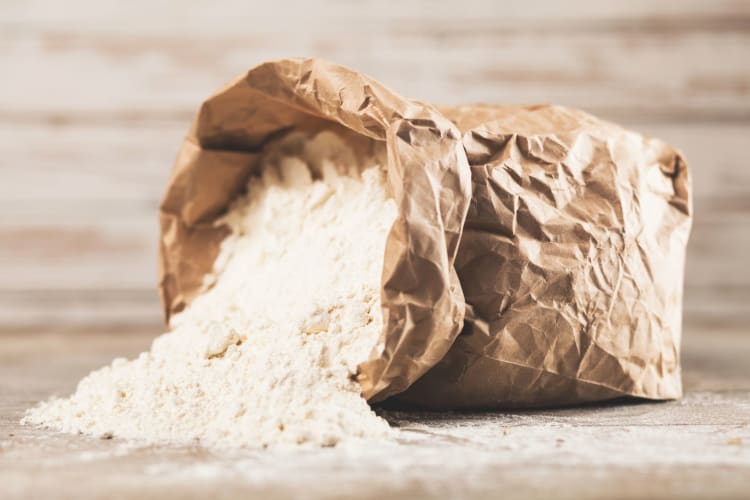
264	356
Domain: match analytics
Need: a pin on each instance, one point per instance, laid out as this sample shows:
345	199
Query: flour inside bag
267	352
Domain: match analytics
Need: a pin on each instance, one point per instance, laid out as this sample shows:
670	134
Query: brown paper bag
538	254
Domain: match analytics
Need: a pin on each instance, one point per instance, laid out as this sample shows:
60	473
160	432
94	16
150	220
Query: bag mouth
428	175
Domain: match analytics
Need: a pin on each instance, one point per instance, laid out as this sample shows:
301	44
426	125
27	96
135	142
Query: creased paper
537	258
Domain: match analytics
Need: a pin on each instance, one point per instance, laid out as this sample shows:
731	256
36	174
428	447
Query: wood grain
698	447
96	96
105	75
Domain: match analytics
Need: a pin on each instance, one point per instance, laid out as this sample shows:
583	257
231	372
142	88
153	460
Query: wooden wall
95	97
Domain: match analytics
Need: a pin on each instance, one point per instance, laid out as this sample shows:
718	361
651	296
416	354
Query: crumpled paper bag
537	258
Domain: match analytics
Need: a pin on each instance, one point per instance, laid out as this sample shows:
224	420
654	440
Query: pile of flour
266	354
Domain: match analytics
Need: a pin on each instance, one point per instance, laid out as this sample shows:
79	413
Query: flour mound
266	355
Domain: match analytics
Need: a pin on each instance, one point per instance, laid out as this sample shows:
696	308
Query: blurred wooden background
95	97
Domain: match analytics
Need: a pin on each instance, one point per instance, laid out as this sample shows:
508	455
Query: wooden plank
70	67
78	312
88	167
87	251
238	16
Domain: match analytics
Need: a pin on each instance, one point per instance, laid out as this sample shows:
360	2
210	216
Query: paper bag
537	257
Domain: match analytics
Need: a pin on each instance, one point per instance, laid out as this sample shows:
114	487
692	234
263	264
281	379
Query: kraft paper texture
537	258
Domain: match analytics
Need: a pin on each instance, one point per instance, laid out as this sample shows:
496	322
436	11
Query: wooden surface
698	447
95	98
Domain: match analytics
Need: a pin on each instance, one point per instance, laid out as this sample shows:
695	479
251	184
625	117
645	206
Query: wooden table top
697	447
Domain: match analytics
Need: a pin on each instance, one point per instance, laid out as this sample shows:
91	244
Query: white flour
264	357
